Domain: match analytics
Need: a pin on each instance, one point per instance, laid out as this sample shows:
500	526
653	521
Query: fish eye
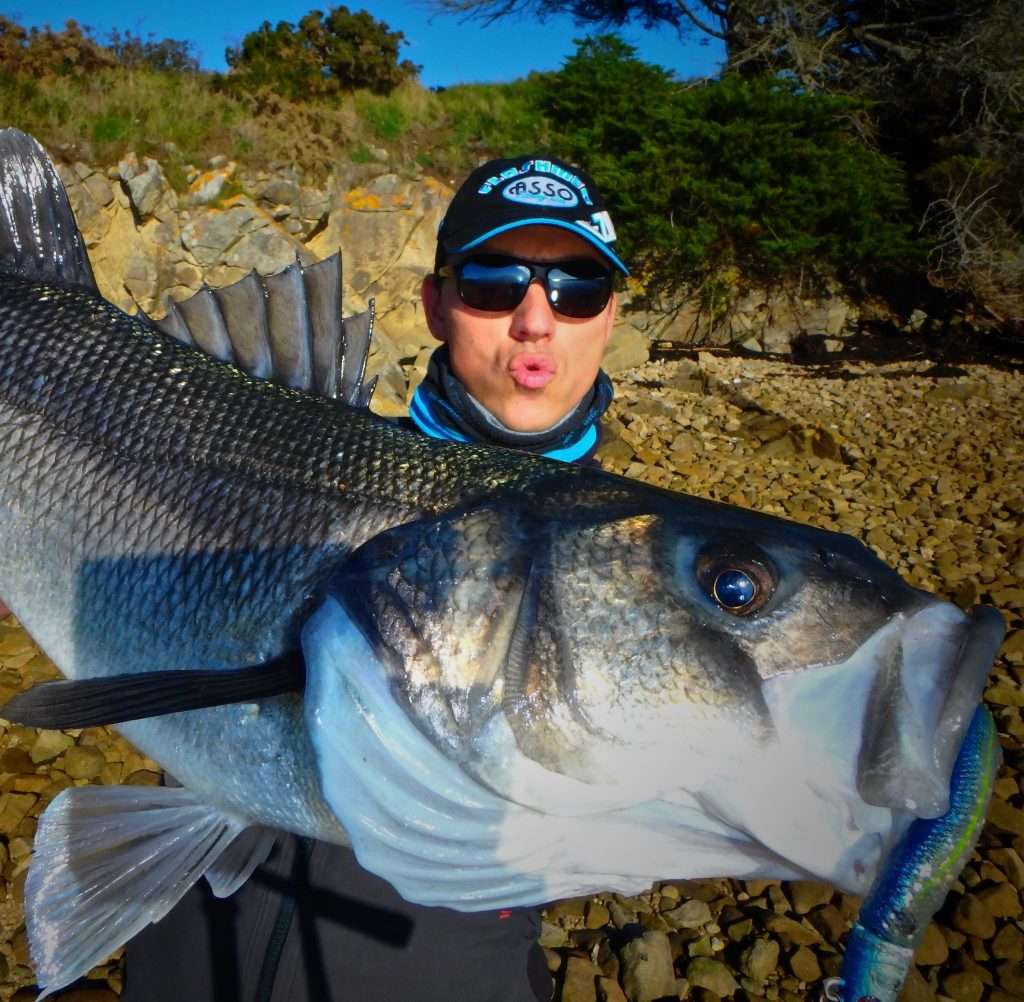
738	585
733	589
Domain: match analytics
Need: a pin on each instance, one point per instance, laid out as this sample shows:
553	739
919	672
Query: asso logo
540	191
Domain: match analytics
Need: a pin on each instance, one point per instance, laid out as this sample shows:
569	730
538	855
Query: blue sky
449	50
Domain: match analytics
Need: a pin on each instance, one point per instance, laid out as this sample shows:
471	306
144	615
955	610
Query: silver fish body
524	680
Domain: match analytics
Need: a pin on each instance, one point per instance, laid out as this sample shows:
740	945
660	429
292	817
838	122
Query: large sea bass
523	680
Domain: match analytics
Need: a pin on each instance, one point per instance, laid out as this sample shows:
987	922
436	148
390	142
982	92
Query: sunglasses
578	288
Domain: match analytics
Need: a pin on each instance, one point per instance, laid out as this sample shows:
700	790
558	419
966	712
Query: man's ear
430	294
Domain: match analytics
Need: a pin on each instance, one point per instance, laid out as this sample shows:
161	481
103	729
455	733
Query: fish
501	679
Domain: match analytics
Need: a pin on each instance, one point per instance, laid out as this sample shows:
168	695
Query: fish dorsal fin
286	328
108	861
39	238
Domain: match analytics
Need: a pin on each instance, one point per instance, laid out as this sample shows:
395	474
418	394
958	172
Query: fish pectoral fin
108	861
235	865
92	702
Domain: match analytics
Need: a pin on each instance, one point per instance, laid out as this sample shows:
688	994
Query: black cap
530	190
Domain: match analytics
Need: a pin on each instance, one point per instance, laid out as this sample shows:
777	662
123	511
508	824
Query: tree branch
684	8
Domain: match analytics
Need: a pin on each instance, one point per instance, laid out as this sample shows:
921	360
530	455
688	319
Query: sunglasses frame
539	271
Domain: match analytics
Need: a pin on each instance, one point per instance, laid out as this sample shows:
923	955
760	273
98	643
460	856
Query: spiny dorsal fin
286	328
39	238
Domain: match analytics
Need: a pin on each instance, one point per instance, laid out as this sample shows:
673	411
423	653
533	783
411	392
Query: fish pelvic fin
286	328
108	861
39	238
235	866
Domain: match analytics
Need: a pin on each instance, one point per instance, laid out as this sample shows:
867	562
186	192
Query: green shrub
323	55
749	174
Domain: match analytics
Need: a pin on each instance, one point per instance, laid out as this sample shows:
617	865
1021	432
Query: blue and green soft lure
917	876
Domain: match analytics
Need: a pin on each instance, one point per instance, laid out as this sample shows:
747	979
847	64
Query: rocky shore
925	466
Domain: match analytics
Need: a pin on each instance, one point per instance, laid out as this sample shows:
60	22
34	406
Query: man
522	300
522	351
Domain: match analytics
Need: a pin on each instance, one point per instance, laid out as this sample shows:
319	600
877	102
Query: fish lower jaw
921	704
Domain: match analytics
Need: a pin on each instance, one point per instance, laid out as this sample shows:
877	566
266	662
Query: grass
186	118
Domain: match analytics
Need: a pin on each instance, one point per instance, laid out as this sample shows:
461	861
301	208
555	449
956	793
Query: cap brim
581	231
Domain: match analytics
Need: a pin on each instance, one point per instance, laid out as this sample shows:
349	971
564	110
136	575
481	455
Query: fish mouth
921	704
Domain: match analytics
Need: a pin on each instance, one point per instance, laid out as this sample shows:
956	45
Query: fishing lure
917	876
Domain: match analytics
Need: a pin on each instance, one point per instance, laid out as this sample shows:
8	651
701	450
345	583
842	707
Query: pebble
580	981
933	948
760	959
597	915
807	895
972	917
49	745
1001	900
963	987
1008	944
1011	864
792	932
804	964
83	763
647	969
712	974
828	921
1011	977
689	915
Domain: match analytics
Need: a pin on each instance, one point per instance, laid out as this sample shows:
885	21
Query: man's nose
533	318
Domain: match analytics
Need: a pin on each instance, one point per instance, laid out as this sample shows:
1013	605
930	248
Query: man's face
528	366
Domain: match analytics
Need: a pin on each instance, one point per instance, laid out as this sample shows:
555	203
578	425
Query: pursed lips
532	371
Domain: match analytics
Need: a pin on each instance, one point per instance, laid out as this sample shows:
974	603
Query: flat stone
14	807
791	931
16	760
597	915
1011	977
973	918
1001	900
712	974
83	763
829	922
933	948
1008	944
647	969
552	935
916	988
804	965
760	959
580	981
621	916
48	745
963	987
806	894
689	915
739	931
627	349
609	990
568	912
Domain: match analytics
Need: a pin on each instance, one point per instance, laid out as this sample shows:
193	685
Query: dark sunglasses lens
579	296
493	286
